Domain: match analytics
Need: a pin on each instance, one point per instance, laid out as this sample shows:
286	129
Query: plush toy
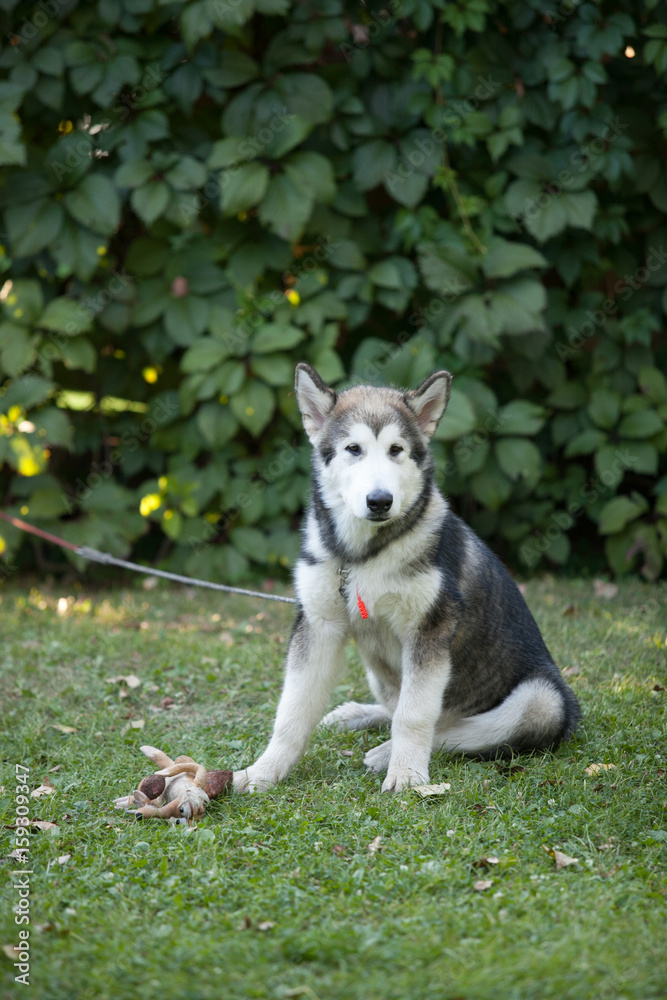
179	791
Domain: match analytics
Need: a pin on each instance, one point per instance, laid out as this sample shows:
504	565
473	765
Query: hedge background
197	195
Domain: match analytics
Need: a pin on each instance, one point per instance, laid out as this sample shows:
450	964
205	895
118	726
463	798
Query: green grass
157	911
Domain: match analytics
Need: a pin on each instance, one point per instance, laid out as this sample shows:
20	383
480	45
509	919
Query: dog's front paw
377	759
401	778
252	781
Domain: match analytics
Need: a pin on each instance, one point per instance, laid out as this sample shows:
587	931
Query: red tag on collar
362	607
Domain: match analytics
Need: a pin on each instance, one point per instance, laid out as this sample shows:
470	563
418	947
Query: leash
93	555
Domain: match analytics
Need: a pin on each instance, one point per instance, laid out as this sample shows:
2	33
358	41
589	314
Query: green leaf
347	256
27	391
620	511
95	204
284	210
66	316
520	417
187	175
34	226
372	162
459	418
253	406
642	424
654	384
604	408
204	355
446	270
228	152
517	307
243	187
150	201
490	486
236	68
16	349
386	274
134	173
217	424
185	319
276	337
504	258
312	175
585	443
519	457
23	302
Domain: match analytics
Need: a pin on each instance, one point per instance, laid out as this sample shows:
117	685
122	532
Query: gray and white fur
454	657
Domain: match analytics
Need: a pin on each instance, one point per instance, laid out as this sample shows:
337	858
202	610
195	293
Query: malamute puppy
453	655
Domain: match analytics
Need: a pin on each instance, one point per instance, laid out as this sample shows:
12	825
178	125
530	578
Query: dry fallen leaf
486	862
374	846
63	729
347	753
46	788
483	884
562	860
571	671
594	768
570	610
64	858
11	951
42	824
131	680
341	851
266	925
605	590
20	854
427	790
56	768
137	724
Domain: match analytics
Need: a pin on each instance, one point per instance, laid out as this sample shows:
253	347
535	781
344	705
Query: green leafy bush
197	195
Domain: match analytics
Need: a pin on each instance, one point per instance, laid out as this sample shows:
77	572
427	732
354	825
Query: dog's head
371	444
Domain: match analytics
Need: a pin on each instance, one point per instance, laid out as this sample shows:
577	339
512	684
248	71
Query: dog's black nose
379	501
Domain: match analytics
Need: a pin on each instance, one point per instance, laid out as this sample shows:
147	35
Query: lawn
292	894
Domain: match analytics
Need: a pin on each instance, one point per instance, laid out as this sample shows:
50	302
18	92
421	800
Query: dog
454	658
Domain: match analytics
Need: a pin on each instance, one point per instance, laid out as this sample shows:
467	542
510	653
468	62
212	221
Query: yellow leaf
426	790
46	788
594	768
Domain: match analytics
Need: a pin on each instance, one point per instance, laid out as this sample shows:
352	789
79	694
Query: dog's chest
387	600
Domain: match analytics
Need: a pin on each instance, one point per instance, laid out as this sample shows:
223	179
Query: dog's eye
395	450
354	449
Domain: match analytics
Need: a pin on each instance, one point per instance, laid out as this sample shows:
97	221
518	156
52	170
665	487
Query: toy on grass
179	791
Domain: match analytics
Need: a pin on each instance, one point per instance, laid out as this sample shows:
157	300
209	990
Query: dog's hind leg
353	715
533	716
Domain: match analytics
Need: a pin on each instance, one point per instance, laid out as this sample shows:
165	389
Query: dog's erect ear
429	401
315	399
